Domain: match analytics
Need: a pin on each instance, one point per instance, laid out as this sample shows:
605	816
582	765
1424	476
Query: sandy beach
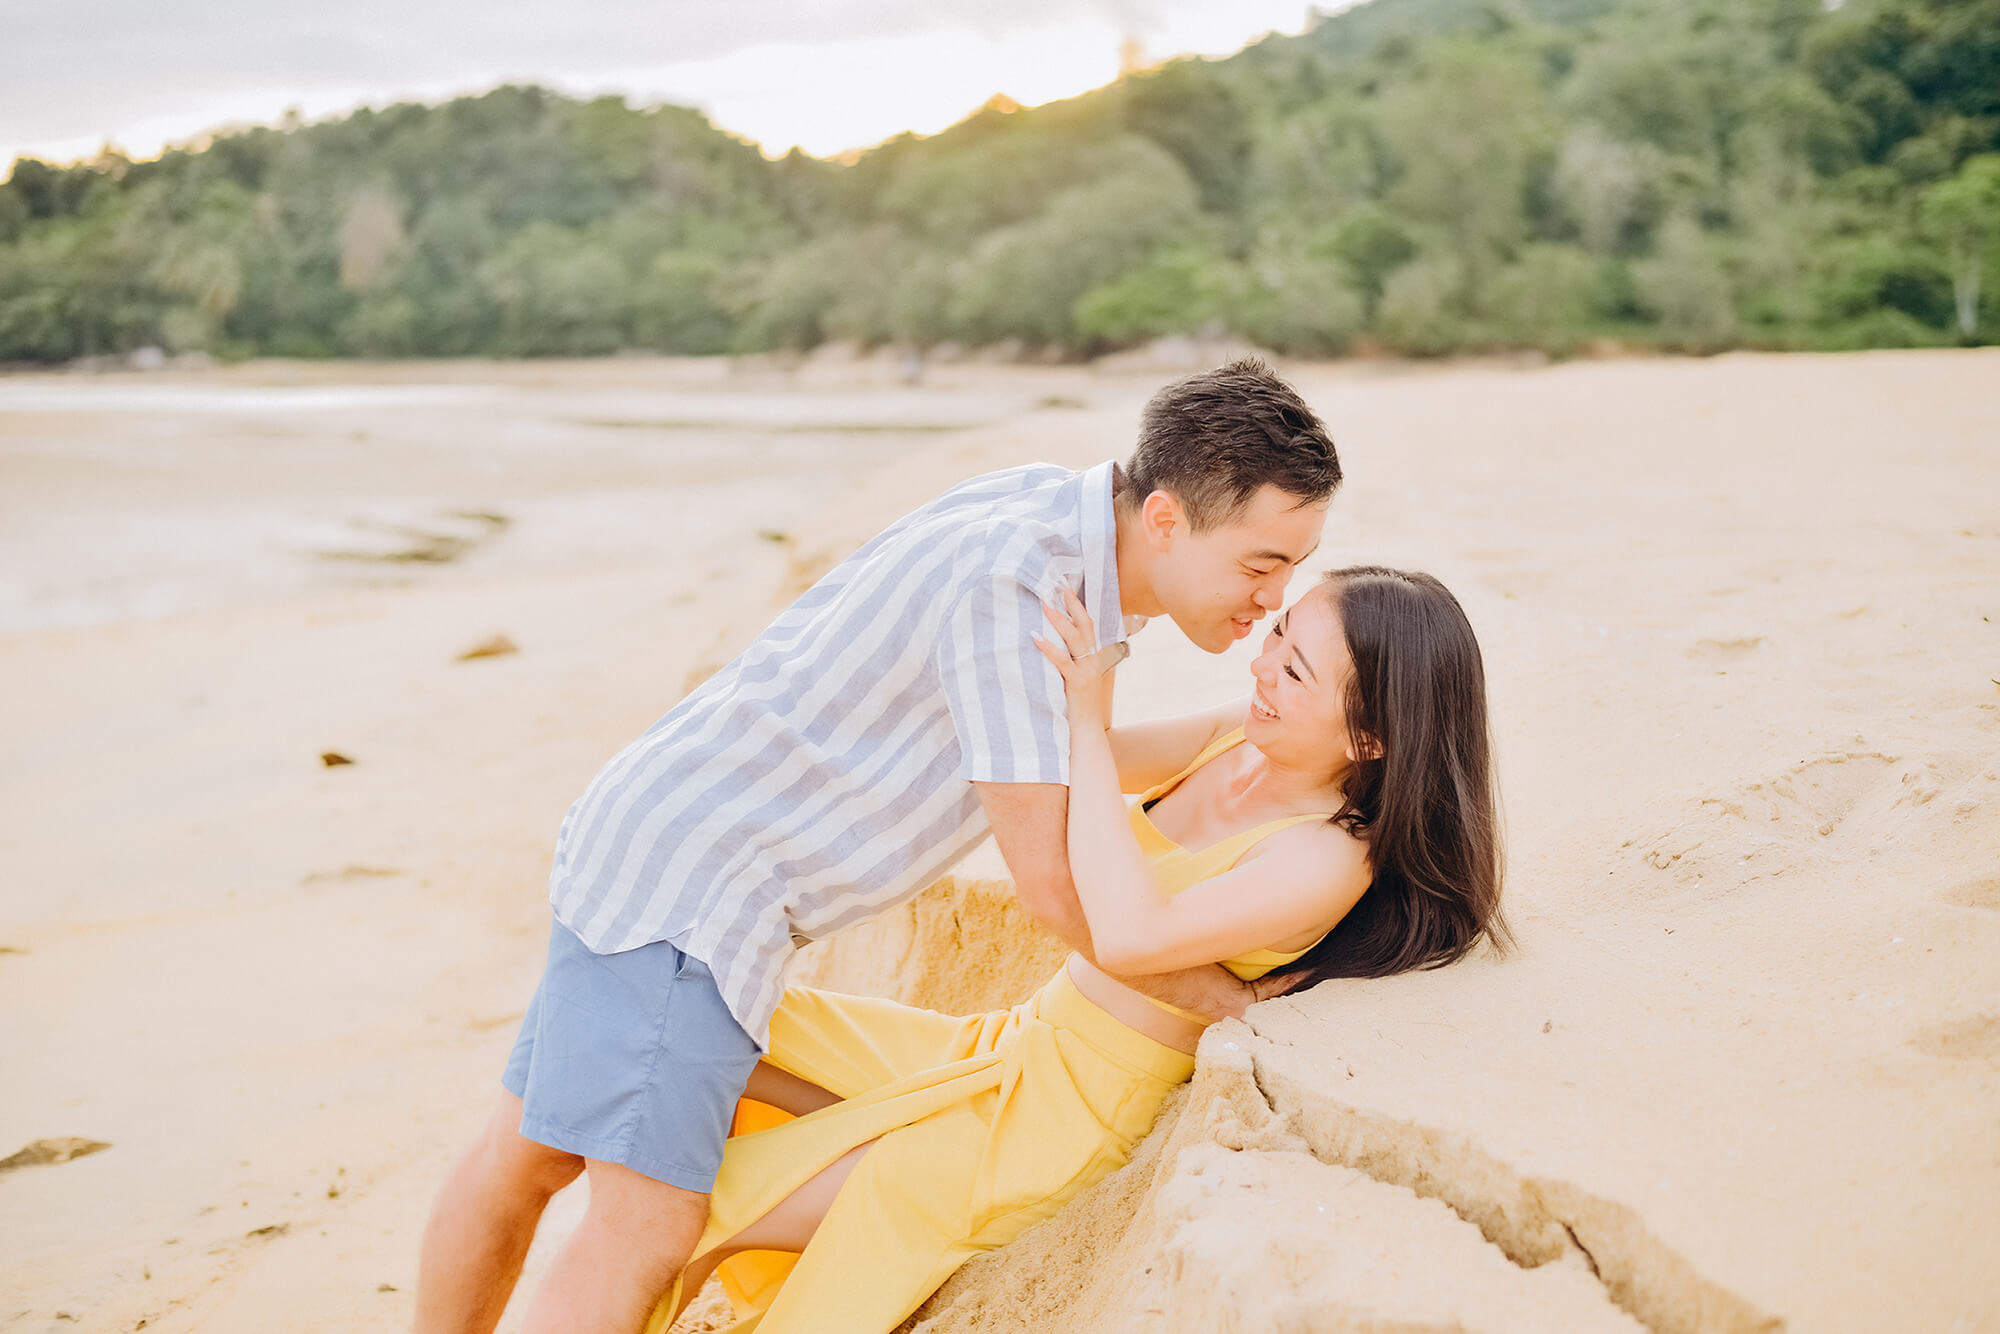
1739	618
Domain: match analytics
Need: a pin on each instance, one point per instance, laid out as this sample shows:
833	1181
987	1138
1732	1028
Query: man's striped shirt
826	773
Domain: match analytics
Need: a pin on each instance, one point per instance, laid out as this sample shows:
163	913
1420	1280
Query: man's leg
628	1065
636	1235
483	1222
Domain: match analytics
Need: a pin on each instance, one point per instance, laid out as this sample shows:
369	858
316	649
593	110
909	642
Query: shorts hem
664	1171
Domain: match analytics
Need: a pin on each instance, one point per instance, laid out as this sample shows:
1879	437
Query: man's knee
525	1164
660	1220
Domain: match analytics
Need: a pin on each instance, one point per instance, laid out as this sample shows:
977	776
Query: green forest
1420	177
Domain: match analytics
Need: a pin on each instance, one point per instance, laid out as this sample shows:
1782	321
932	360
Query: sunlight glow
826	98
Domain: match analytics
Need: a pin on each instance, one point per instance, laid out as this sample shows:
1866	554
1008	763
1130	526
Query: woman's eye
1294	675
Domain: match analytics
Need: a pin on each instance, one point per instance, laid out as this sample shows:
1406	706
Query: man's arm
1031	826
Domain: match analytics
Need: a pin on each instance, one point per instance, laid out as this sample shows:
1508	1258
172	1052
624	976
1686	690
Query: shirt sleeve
1006	699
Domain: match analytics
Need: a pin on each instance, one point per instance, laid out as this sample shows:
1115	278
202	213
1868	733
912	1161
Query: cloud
78	73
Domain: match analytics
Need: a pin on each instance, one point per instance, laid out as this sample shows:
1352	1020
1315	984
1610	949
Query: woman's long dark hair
1426	807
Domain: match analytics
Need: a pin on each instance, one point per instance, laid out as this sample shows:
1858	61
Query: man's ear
1161	520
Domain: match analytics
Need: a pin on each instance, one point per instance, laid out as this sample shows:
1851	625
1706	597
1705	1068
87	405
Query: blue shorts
631	1058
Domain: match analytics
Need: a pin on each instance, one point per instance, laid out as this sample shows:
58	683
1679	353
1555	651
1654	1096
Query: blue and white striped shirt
826	773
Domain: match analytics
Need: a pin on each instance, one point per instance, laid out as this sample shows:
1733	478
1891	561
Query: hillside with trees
1418	176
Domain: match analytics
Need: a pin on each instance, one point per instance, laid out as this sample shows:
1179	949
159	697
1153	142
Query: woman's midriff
1131	1009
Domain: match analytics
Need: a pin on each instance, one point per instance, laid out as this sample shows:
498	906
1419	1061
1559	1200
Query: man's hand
1210	991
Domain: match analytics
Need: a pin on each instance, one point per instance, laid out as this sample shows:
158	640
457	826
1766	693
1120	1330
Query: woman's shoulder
1330	852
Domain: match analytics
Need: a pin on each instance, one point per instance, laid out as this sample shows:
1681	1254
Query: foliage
1963	216
1168	293
1427	175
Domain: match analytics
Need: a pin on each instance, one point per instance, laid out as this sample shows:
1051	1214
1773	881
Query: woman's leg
788	1226
786	1091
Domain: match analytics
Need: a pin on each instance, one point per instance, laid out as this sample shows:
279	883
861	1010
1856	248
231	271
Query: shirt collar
1100	556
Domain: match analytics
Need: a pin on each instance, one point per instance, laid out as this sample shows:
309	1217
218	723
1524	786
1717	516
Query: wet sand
1739	624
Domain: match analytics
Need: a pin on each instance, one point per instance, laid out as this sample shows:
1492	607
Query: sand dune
1743	1075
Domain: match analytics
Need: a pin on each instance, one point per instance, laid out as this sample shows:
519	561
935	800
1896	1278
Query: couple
951	678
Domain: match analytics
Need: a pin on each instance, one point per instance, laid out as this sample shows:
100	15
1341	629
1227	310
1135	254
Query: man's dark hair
1214	439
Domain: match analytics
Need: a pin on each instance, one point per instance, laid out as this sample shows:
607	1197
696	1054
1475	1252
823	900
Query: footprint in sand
1812	797
1725	650
1974	1039
1983	893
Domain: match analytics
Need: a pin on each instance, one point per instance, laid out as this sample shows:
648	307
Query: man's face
1219	583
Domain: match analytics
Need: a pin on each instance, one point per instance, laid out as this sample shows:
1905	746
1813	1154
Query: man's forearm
1210	990
1059	912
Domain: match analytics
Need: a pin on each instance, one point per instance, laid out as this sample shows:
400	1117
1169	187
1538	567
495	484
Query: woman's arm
1305	880
1151	752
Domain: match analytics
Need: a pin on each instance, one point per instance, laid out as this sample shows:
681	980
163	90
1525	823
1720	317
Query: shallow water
122	499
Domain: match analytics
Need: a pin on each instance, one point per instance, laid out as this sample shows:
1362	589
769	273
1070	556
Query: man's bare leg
486	1215
482	1224
636	1235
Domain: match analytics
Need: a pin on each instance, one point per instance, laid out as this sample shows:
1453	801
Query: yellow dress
982	1125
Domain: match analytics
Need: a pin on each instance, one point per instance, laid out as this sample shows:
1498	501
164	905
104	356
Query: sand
1744	1073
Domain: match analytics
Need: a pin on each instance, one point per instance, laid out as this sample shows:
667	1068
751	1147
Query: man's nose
1270	596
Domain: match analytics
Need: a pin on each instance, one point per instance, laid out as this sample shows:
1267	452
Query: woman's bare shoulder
1331	853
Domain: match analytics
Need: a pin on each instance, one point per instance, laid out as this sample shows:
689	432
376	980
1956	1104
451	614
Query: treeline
1423	176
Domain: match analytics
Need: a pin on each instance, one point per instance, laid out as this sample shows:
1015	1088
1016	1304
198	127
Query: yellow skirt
984	1126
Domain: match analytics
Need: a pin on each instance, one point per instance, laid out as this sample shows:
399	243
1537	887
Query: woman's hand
1075	653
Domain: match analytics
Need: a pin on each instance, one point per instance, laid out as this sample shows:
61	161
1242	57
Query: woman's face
1298	710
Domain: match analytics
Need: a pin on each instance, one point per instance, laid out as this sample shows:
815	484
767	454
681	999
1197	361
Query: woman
1341	824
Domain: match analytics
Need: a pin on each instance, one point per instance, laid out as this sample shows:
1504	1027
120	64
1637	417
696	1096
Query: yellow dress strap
1222	855
1209	752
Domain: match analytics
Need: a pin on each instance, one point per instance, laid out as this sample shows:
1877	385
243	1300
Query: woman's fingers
1075	675
1077	636
1072	623
1079	618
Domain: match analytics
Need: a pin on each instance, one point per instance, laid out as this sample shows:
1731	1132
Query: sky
823	75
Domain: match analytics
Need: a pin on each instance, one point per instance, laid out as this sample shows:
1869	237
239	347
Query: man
875	731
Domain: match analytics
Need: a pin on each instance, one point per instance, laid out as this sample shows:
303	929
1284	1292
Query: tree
1608	188
559	293
1463	136
1296	300
1547	298
677	309
1420	311
1370	247
1439	173
1685	287
1176	291
1963	215
1023	281
1883	272
1190	111
371	232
